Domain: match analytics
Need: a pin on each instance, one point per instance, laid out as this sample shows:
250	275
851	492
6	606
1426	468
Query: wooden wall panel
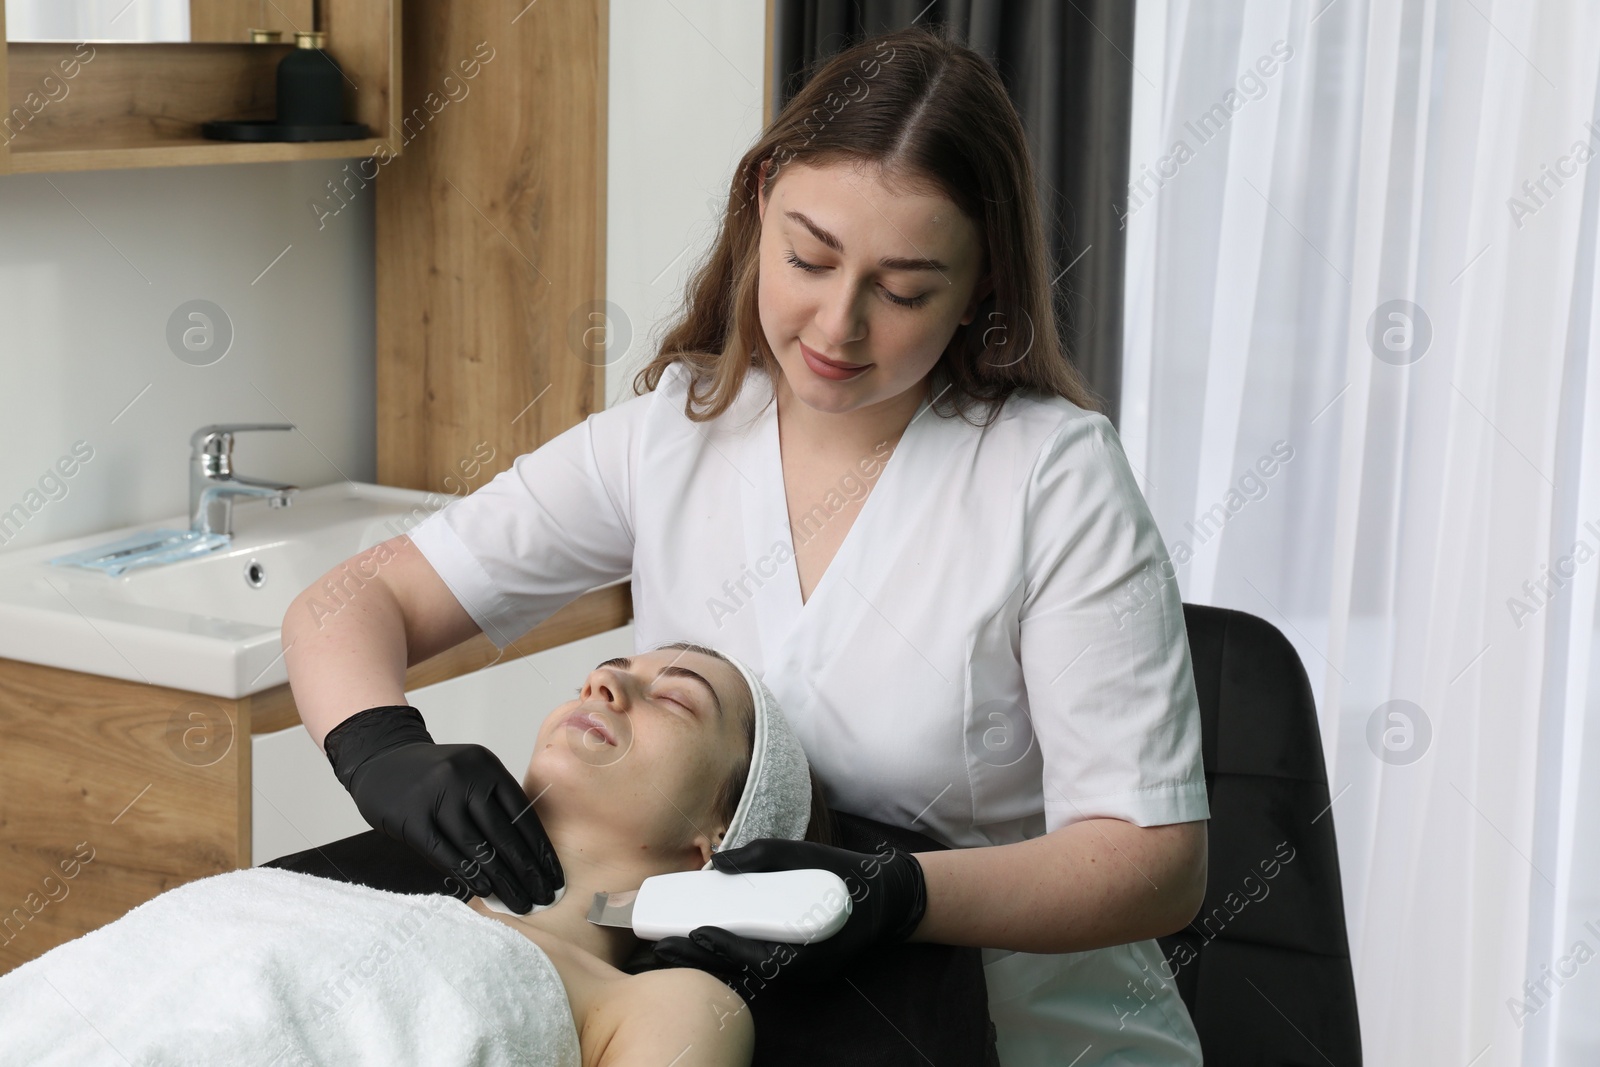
490	236
364	37
5	95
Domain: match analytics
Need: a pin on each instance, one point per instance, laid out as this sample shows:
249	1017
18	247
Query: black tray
269	130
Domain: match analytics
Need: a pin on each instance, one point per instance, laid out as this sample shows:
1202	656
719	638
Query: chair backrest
1265	967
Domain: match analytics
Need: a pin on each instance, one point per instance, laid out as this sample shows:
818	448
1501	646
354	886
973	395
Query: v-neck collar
781	612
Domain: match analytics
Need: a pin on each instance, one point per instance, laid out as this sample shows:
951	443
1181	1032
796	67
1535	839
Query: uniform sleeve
1105	653
555	524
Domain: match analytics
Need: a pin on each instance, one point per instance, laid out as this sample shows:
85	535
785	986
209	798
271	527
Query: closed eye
812	268
682	703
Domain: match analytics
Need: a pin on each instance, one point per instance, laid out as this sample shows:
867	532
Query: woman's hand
887	893
456	805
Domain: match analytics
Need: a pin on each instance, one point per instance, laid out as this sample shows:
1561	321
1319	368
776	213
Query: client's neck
595	862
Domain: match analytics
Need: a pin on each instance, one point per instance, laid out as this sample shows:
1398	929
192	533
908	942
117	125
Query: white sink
199	624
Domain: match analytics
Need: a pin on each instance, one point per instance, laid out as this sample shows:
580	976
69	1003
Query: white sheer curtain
1362	390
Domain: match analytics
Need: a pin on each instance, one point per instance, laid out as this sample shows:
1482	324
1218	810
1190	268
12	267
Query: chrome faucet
213	485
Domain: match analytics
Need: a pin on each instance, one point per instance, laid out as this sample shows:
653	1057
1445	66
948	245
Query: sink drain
255	575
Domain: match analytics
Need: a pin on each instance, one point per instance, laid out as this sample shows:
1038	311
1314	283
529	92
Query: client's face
642	752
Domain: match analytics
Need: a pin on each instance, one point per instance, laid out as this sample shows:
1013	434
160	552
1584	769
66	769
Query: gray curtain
1068	65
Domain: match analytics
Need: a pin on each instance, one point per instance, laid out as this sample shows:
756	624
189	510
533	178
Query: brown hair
821	828
932	114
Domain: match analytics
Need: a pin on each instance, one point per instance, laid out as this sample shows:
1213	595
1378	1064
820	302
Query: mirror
151	21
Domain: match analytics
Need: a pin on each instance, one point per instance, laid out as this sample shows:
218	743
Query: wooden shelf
183	152
94	106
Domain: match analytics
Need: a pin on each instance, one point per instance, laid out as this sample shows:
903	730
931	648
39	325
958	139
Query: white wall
685	104
93	264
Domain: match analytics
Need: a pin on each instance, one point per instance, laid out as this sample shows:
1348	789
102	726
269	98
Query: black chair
1265	967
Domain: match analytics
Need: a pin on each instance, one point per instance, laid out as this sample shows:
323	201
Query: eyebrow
670	671
887	262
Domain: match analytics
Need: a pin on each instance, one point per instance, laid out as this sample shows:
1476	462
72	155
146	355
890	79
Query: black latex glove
456	805
888	897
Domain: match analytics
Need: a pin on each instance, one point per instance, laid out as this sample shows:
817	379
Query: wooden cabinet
101	807
93	106
112	792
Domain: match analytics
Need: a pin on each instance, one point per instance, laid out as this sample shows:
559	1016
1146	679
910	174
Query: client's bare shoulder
679	1016
676	1015
645	1019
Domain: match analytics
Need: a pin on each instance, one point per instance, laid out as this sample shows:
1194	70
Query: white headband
777	792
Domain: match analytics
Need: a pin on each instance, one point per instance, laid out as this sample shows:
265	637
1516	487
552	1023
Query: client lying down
682	751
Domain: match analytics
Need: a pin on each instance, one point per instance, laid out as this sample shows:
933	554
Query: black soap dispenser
310	100
310	86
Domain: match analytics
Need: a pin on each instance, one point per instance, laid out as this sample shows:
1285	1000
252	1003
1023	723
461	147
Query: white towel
271	967
776	801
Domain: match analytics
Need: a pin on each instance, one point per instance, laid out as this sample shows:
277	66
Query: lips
832	370
590	722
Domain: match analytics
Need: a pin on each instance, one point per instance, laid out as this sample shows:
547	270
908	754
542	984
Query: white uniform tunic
973	664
